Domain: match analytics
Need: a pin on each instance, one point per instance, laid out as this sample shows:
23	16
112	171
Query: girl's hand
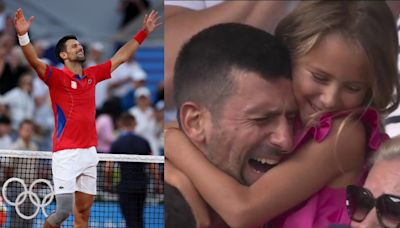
169	133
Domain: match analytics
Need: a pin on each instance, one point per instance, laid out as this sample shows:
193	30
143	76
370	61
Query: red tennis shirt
73	104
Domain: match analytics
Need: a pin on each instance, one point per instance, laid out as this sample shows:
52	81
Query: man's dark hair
126	119
60	46
203	68
26	121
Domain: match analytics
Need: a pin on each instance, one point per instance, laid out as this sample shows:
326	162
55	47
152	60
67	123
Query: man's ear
63	55
193	120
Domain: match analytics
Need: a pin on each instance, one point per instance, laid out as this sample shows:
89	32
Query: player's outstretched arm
22	27
150	23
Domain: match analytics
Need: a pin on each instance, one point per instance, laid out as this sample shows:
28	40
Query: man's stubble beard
81	60
212	148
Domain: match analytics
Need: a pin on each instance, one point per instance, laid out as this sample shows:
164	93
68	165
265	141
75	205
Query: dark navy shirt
133	175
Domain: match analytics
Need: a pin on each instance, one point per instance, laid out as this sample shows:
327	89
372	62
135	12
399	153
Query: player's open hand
151	21
21	24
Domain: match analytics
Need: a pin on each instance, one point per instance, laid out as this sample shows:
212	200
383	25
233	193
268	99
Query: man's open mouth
262	165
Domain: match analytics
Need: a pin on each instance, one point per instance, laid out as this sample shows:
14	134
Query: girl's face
330	77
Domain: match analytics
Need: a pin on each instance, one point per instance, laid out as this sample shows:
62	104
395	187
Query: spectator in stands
105	123
20	101
377	204
134	180
95	53
25	139
9	76
5	130
145	118
8	42
25	169
9	26
17	60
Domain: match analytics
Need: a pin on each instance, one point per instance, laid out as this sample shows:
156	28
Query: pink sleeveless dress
328	206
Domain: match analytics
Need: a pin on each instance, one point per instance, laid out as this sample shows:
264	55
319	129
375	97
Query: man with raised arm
72	92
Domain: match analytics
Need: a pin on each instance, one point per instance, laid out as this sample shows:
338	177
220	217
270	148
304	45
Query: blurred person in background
134	178
17	61
25	136
9	75
145	118
8	42
95	54
20	101
105	125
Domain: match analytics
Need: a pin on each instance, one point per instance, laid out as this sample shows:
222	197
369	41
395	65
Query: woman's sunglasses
360	202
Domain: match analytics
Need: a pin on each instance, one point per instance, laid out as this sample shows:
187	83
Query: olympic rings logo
34	198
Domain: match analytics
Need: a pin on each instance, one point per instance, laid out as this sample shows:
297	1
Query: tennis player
72	92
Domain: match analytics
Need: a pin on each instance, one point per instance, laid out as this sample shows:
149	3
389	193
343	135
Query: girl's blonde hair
369	24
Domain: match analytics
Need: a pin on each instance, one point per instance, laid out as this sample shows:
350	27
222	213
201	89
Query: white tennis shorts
75	170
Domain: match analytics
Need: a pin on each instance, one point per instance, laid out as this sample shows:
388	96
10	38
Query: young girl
344	73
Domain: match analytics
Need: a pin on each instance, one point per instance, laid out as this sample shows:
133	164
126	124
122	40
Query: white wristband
24	39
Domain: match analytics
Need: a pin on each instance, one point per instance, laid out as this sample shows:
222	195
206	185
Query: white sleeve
11	96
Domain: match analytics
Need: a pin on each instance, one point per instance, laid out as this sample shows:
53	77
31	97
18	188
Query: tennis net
129	190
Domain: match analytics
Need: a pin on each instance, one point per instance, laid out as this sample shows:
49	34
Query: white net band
102	157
